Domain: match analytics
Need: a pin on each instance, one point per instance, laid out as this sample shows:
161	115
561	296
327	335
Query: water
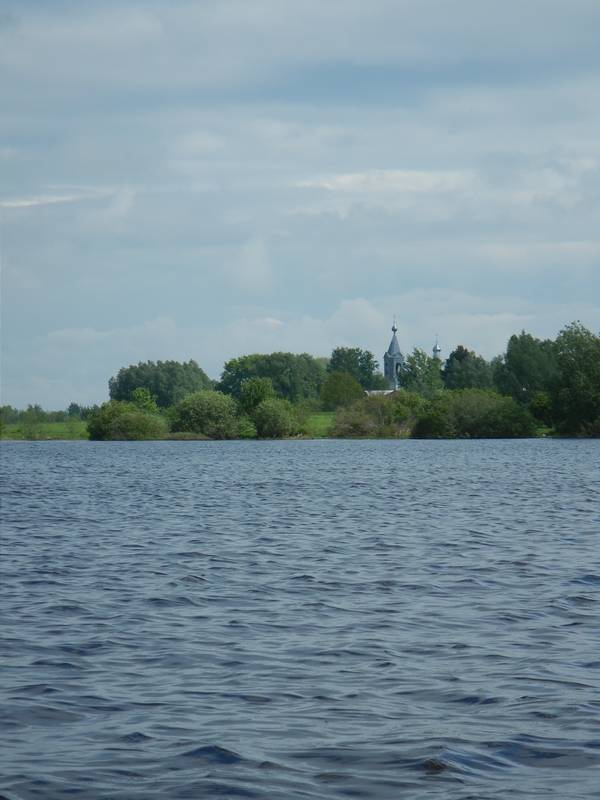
369	619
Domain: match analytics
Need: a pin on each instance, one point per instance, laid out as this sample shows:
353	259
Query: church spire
393	359
437	350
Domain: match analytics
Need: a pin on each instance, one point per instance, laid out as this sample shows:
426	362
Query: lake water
327	619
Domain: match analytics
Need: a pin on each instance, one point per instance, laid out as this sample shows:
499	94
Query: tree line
536	385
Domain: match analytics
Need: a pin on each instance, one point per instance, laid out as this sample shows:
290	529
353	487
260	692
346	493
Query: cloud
199	179
393	180
42	200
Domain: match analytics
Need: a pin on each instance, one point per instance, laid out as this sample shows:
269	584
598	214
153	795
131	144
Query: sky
201	180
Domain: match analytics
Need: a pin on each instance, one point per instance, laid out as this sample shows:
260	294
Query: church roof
394	348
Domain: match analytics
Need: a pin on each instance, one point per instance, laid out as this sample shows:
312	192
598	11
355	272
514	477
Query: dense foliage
275	418
253	391
576	395
360	364
211	413
421	373
294	377
473	414
464	369
340	389
120	420
392	415
167	381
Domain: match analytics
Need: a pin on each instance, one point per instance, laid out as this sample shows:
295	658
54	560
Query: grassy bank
73	429
318	425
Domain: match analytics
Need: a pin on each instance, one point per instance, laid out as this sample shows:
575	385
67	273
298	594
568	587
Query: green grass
74	429
318	425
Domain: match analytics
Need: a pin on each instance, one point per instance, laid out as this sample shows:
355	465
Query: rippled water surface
380	619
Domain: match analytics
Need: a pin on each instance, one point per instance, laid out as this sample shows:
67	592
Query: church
393	361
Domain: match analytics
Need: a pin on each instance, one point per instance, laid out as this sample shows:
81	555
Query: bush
275	419
166	381
246	428
212	413
391	415
353	422
340	389
253	391
474	414
116	420
137	425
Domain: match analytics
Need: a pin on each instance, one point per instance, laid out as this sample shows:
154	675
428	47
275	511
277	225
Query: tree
141	398
275	418
360	364
474	414
253	391
528	367
294	377
421	373
31	420
167	381
464	369
211	413
340	389
391	416
74	410
576	394
120	420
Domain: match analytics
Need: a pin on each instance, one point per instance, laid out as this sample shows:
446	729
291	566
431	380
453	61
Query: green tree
275	418
294	377
9	415
474	414
464	369
391	416
253	391
74	410
421	373
360	364
137	425
211	413
142	398
340	389
576	393
31	420
529	366
167	381
120	420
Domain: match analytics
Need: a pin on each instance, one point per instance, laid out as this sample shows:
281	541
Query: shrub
275	419
390	415
137	425
353	422
212	413
253	391
118	420
340	389
246	429
476	414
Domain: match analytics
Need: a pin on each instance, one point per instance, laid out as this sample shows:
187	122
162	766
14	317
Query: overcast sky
206	179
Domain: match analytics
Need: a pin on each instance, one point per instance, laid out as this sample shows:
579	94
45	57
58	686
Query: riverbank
315	426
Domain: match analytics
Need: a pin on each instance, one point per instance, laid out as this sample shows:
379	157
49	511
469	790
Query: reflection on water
376	619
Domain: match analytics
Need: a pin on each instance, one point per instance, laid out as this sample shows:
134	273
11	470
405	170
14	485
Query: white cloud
271	175
393	180
41	200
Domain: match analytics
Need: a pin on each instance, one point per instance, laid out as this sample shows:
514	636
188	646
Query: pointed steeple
437	350
394	348
393	359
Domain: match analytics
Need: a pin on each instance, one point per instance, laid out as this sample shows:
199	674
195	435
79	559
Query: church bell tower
393	360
